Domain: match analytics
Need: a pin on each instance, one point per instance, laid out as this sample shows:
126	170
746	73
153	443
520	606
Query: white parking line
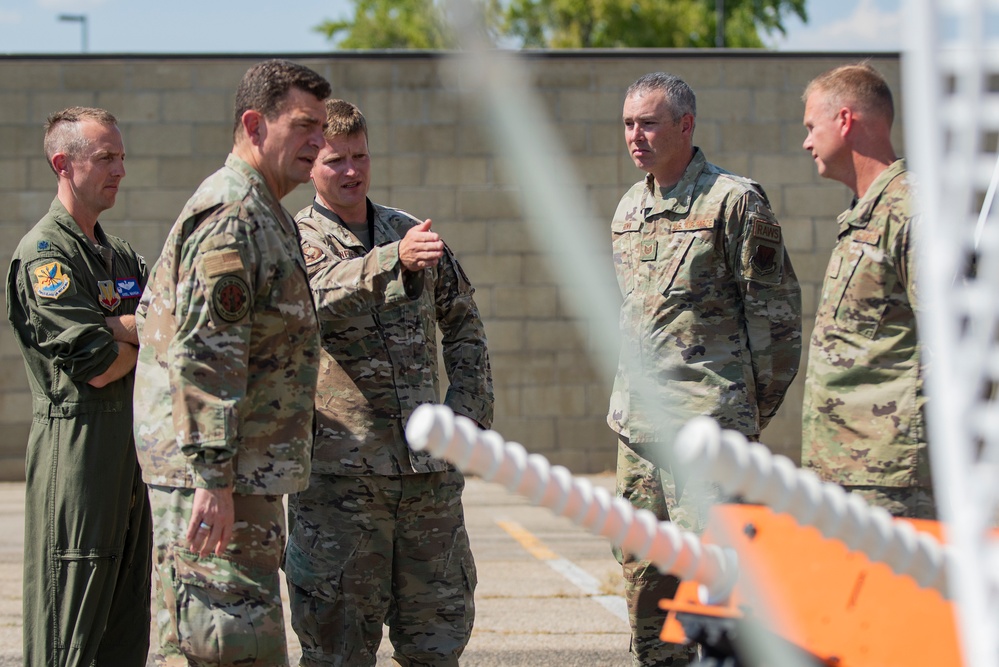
582	579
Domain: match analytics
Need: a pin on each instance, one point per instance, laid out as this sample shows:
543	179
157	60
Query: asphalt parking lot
549	592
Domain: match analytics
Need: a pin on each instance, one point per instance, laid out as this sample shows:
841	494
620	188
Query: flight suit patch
52	280
109	297
128	288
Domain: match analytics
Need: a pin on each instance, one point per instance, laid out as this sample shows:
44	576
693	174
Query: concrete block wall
434	155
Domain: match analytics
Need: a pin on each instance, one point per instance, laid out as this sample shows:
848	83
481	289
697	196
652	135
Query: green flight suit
87	539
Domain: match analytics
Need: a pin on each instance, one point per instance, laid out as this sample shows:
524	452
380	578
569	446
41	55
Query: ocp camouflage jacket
711	319
226	377
378	325
863	414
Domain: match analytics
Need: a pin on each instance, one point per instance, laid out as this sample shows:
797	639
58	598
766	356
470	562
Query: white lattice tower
951	75
436	429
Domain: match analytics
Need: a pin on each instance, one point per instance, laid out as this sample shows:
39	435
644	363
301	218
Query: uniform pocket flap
218	573
319	577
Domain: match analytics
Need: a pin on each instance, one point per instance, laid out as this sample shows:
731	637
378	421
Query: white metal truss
951	76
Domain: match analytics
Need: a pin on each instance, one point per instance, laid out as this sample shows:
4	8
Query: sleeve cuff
212	475
471	406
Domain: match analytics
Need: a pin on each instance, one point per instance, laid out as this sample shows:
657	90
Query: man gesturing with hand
379	534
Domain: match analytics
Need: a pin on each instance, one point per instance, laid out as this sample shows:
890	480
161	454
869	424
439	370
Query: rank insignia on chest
109	297
649	250
50	281
231	298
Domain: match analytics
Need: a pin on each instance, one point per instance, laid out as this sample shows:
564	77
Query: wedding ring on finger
204	526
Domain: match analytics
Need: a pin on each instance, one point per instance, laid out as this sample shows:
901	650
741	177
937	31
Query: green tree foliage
392	24
564	24
575	24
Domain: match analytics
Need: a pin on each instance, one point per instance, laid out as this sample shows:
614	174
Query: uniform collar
678	199
256	180
343	234
65	220
859	213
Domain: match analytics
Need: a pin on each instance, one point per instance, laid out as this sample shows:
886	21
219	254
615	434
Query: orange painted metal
818	595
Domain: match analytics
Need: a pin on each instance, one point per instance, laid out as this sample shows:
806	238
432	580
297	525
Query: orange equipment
813	597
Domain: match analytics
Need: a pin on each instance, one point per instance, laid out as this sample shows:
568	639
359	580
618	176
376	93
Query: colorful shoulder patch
52	280
231	298
108	294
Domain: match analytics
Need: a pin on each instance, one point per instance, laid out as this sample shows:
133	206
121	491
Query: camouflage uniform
87	528
379	535
863	414
225	398
711	325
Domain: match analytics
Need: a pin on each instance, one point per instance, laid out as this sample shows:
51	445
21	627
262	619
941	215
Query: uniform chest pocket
681	262
863	289
626	241
405	326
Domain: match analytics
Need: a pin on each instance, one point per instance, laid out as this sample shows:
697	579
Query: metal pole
720	24
82	20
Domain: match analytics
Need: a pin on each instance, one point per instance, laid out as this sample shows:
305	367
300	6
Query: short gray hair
679	96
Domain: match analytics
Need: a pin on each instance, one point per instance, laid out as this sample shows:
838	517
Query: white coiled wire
750	470
436	429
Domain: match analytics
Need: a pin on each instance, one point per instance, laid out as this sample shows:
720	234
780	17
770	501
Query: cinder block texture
437	154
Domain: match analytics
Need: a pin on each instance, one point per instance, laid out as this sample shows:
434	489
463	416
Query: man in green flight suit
72	292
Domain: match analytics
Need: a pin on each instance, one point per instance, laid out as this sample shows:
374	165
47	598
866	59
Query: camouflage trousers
365	551
911	502
219	610
655	488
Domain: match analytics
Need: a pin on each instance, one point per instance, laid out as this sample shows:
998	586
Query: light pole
82	20
720	24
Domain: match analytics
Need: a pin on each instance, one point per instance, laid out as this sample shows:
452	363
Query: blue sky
266	26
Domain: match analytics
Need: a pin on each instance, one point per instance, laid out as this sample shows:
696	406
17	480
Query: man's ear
254	126
687	123
60	164
845	118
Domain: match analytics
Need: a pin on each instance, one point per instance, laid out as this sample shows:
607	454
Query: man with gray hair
710	323
72	291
